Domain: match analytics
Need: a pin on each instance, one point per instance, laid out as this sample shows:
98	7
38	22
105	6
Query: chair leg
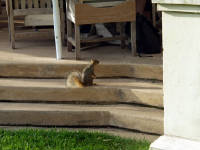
77	41
12	31
9	28
62	28
69	35
122	35
0	7
154	14
133	39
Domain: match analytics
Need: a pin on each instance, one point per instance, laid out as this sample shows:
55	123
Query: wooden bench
34	12
82	12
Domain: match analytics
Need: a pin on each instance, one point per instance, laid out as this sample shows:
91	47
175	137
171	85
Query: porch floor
43	51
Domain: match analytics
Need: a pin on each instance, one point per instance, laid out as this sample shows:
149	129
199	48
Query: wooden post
122	35
12	25
78	41
133	39
154	14
0	7
57	30
69	35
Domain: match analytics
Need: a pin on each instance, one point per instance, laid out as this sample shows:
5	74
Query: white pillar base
174	143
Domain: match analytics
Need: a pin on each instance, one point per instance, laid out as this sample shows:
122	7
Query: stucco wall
185	2
181	34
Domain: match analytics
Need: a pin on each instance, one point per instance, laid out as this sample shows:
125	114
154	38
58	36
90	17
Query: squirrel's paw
94	76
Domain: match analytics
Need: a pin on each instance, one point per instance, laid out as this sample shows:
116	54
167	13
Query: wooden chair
33	10
81	12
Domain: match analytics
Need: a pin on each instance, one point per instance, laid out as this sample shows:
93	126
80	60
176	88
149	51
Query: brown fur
88	74
74	80
81	79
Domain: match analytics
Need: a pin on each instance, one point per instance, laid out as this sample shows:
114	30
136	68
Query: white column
181	70
57	32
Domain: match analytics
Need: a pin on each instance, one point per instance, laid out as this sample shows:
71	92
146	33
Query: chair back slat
35	4
42	4
61	3
23	4
16	4
30	3
49	5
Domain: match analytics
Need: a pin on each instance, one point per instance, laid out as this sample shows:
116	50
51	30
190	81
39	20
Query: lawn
34	139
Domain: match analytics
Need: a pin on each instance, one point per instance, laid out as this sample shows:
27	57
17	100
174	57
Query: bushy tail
78	82
74	80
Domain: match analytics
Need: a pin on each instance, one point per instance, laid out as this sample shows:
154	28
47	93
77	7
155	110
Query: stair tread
50	69
131	117
60	83
120	108
106	90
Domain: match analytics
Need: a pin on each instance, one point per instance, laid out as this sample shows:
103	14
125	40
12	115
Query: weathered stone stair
27	69
35	95
106	91
127	97
144	119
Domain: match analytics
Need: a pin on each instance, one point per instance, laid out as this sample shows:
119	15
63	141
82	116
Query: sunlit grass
33	139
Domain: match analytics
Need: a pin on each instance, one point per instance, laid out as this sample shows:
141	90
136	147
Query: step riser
91	95
144	124
60	70
90	118
45	118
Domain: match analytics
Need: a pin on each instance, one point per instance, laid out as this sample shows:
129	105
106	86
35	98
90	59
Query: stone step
144	119
45	69
106	91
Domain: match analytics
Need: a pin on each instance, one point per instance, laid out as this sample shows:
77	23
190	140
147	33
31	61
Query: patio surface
41	50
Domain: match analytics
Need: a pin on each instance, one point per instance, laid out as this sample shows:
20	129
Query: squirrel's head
94	61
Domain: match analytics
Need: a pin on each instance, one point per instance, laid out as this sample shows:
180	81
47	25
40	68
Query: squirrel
84	78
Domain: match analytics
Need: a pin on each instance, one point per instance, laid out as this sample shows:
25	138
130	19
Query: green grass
33	139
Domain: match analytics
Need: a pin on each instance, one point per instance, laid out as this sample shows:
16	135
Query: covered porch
127	97
42	50
38	49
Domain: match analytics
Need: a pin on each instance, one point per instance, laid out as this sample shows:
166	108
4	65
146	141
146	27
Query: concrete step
144	119
106	91
43	69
